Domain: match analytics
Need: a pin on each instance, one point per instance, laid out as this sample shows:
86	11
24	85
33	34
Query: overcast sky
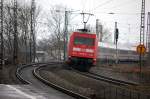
127	14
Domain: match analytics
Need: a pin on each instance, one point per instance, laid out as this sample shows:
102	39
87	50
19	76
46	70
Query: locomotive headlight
89	50
94	59
76	49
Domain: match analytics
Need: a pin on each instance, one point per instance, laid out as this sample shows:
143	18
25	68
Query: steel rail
22	66
57	87
106	79
120	82
18	73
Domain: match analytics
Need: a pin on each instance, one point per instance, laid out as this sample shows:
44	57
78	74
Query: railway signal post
116	41
148	38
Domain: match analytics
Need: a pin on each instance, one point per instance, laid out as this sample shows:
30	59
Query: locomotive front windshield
84	41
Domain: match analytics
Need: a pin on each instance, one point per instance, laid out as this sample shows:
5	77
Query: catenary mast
142	27
15	51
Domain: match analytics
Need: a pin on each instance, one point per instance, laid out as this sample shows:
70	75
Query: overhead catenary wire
122	4
102	4
83	4
124	24
117	13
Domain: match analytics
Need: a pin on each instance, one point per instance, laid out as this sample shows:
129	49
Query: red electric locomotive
82	49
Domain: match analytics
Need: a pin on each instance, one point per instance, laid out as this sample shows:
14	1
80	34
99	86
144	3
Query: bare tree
56	28
106	35
23	27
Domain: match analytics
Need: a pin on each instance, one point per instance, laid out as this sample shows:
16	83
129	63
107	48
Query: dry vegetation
75	82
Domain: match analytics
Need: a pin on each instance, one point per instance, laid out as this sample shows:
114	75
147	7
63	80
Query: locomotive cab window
84	41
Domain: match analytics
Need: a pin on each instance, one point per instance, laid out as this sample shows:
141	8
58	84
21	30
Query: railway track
35	72
106	79
21	67
64	90
19	70
105	92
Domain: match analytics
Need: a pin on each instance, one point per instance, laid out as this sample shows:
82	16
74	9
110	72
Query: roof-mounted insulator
83	30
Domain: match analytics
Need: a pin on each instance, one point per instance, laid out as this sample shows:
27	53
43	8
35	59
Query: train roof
89	35
120	46
83	31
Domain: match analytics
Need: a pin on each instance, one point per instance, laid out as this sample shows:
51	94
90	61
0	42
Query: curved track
27	77
28	72
107	79
76	95
104	78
